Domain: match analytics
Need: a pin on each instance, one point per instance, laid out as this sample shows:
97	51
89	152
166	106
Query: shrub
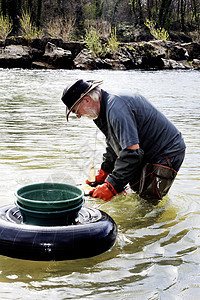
101	42
60	28
5	27
113	44
29	31
93	41
158	33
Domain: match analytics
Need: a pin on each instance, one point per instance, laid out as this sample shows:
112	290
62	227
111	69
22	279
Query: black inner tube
94	233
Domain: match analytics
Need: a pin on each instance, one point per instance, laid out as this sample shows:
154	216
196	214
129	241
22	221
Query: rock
144	55
86	61
193	50
196	64
159	47
41	65
15	56
176	52
57	57
36	54
168	49
158	55
16	40
115	64
74	47
172	64
54	53
39	44
186	64
2	44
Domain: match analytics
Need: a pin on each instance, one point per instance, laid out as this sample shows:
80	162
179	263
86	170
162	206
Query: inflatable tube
94	233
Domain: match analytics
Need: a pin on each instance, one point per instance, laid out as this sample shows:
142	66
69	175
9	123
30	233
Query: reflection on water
156	255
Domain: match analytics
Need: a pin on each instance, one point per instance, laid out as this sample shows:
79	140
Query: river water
157	252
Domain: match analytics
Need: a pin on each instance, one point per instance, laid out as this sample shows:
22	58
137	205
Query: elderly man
144	148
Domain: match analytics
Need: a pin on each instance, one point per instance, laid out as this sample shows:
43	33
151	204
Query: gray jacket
127	119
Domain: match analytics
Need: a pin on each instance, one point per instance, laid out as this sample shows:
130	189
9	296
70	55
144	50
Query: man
144	148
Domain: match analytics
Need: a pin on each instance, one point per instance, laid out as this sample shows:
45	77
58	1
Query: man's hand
99	178
105	191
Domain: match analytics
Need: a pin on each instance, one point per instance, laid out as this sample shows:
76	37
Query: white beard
92	114
91	117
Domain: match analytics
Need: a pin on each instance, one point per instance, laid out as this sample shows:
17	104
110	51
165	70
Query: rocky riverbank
56	54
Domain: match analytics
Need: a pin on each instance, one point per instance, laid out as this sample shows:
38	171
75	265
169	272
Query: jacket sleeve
109	159
127	166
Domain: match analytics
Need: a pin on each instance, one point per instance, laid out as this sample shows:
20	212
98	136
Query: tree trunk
13	10
114	12
182	15
39	10
4	7
138	11
163	12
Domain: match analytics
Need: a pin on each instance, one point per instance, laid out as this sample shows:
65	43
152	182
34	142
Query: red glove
105	191
99	178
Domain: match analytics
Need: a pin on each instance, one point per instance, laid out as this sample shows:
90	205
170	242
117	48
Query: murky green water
157	254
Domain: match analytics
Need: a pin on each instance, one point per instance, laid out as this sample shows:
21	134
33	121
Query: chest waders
155	181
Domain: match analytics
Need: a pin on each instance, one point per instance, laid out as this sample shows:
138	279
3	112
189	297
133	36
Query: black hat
74	93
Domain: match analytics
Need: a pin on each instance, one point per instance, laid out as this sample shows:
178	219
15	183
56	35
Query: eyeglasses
76	111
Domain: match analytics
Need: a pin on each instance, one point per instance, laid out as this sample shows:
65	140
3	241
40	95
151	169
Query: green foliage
128	16
29	31
101	43
131	48
113	44
158	33
5	27
93	41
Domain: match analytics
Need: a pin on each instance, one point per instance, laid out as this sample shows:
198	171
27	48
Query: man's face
87	108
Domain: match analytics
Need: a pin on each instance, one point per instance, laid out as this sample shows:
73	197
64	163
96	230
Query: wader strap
169	162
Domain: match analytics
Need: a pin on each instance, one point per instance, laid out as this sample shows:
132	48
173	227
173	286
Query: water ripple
157	252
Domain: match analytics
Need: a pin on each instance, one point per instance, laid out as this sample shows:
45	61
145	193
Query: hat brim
93	86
